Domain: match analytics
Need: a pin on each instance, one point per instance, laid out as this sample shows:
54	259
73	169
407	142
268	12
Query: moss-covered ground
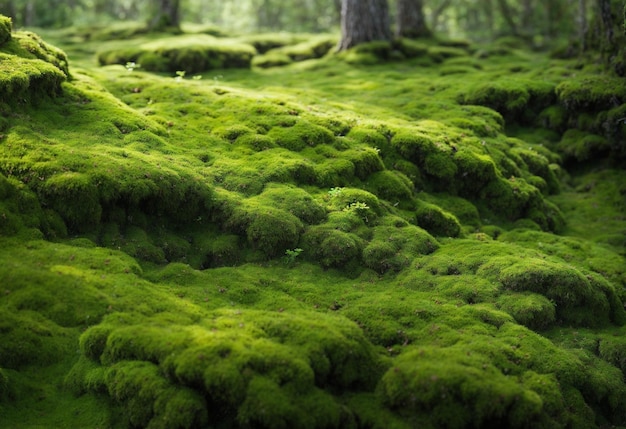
256	232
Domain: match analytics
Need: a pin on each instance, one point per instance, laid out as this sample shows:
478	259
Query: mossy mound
31	69
284	55
515	99
350	248
286	365
190	54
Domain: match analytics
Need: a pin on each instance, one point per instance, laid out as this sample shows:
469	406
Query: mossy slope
228	253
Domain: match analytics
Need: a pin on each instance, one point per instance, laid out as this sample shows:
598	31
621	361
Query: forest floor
429	234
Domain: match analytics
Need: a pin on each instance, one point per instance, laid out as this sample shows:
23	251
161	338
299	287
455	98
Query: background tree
364	21
166	15
410	19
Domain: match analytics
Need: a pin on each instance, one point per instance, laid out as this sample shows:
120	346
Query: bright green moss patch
190	54
316	245
23	79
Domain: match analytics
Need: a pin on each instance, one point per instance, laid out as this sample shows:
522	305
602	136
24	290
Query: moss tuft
436	220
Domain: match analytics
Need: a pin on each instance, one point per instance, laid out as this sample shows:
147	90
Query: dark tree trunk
488	10
411	21
582	23
507	14
269	16
527	17
166	14
363	21
607	22
29	16
7	8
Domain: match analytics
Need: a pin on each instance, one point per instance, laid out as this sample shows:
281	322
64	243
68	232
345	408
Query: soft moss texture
190	54
372	239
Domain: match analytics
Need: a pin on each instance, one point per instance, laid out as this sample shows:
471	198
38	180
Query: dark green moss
5	29
531	310
437	221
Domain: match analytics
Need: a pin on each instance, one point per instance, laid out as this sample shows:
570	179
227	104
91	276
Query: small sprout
291	255
131	65
334	192
180	75
197	77
359	208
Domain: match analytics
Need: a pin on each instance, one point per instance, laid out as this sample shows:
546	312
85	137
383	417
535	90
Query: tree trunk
411	22
488	9
7	8
29	16
527	17
607	23
166	14
363	21
582	24
507	14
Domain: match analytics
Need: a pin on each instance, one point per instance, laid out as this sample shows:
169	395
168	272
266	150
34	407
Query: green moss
572	292
5	29
272	59
512	98
459	393
24	80
314	47
301	135
583	146
267	229
331	247
392	249
437	221
393	186
192	54
531	310
267	41
584	94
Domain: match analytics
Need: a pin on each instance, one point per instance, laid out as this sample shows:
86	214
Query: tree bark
7	8
166	14
582	24
607	22
507	14
411	21
363	21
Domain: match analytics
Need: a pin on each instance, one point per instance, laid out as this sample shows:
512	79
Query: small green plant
180	75
131	65
359	208
334	192
292	255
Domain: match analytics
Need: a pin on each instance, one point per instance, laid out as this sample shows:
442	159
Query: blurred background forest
568	24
